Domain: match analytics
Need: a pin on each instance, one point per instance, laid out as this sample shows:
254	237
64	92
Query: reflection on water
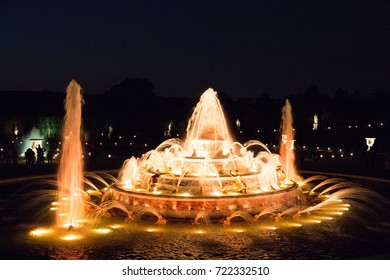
332	239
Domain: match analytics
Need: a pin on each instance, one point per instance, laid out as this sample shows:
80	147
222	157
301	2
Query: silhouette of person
40	156
29	156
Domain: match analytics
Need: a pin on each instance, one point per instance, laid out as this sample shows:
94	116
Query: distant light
349	126
328	148
381	123
369	125
370	142
329	128
120	137
332	156
145	145
351	154
131	144
356	126
135	136
109	156
100	143
258	131
274	130
321	156
115	143
304	147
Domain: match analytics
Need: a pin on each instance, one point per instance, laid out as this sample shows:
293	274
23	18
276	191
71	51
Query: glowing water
207	132
287	156
70	174
208	173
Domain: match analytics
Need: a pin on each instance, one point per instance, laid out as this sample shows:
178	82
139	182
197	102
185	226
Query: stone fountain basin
187	206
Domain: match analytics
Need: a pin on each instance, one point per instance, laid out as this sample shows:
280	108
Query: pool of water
341	238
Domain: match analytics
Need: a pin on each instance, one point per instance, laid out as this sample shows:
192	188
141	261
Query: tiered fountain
209	172
204	178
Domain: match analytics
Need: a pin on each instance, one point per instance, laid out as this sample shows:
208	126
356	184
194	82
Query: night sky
243	48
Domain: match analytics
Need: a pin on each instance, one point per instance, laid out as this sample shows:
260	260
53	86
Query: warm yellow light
116	226
71	237
294	224
102	230
186	194
314	221
40	232
272	228
216	193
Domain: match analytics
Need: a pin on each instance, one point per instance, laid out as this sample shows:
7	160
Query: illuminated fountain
70	175
287	156
206	177
208	173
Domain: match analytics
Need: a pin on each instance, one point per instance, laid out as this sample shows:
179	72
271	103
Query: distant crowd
32	156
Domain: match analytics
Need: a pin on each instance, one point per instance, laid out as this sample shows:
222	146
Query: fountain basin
185	205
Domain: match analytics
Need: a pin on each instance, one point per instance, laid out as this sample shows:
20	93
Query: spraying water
287	157
70	174
207	132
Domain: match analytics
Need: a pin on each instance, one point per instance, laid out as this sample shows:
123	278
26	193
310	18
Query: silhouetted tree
134	87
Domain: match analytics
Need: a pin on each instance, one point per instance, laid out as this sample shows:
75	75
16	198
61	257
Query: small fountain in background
287	156
70	173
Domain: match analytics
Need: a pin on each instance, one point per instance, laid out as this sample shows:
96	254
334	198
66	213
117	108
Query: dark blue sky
242	47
